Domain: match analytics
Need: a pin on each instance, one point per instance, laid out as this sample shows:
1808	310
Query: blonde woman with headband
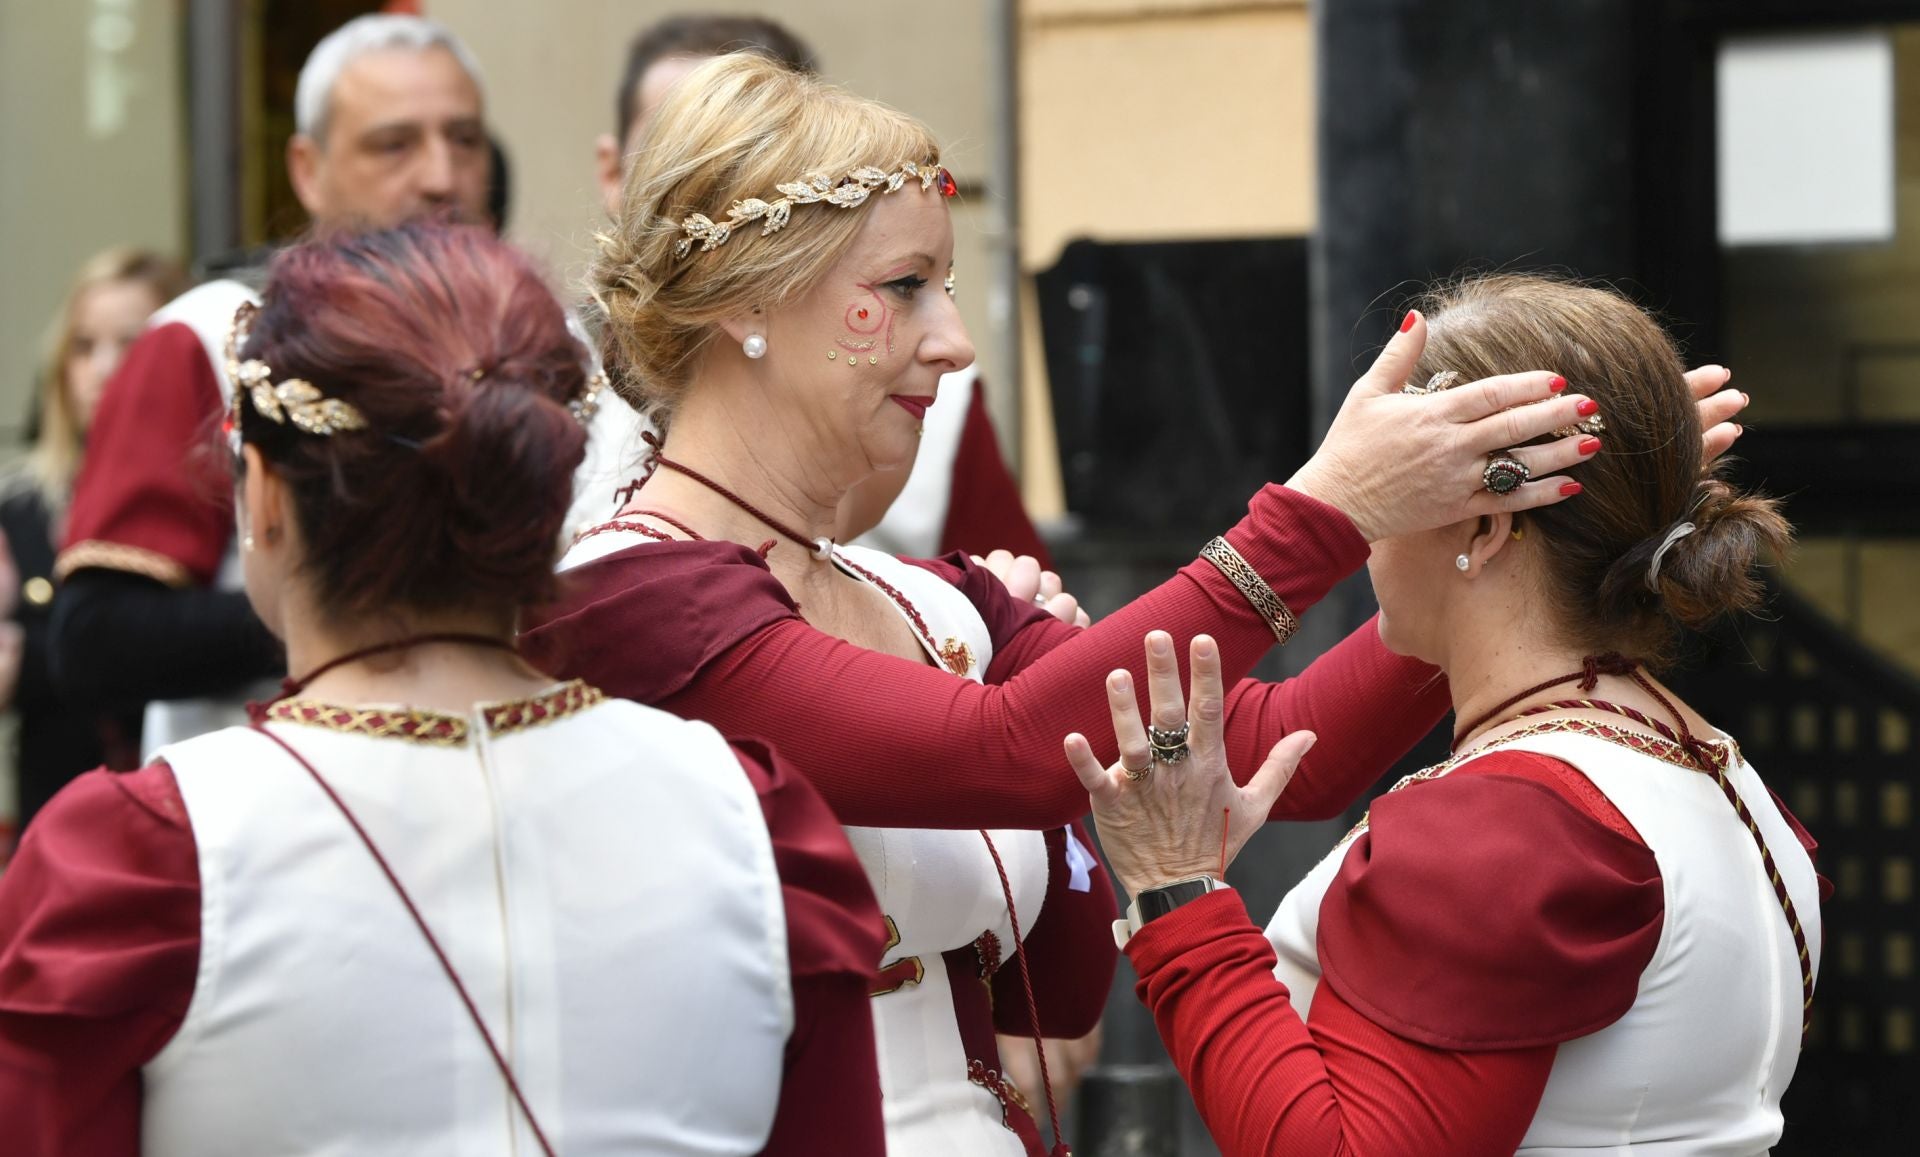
777	292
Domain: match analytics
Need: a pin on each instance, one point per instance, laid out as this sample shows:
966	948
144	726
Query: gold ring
1137	776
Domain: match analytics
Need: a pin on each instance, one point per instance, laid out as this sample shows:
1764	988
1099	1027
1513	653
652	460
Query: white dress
1699	1062
601	875
941	896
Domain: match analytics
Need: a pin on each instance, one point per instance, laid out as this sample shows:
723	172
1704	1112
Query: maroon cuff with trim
1283	534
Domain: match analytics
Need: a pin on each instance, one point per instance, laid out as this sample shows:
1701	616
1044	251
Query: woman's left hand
1027	583
1167	824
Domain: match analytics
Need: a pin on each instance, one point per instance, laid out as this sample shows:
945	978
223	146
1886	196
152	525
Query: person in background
431	899
104	313
390	127
957	494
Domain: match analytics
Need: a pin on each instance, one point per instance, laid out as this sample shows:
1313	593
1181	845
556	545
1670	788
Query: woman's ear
1492	533
744	325
265	503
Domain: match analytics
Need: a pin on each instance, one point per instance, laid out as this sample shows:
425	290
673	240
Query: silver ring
1504	474
1137	776
1169	744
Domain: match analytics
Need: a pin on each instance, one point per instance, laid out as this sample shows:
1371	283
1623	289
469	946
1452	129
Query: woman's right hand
1397	463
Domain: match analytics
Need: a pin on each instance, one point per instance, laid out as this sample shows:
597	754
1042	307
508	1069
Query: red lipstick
917	406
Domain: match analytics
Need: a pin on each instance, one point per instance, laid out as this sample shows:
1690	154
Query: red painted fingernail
1587	408
1590	446
1569	489
1557	384
1406	323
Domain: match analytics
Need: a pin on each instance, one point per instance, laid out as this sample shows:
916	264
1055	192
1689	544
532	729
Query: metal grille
1832	727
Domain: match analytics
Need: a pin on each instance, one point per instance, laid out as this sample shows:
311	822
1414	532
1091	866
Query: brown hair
737	127
690	35
55	456
450	345
1598	548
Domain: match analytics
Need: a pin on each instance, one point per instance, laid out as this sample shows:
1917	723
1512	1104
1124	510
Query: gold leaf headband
294	400
848	192
300	401
1447	379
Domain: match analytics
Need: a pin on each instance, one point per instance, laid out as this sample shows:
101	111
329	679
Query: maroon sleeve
152	497
1487	911
1070	951
1368	705
1807	842
99	946
830	1082
1336	1086
984	511
866	728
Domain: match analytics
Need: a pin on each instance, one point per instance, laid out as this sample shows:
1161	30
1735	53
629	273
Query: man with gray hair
389	128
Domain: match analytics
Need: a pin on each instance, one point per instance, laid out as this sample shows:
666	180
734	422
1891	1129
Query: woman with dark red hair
430	894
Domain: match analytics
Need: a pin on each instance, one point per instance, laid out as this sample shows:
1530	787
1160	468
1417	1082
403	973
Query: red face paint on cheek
864	319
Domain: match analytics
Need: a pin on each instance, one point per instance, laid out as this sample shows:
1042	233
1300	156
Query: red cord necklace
821	547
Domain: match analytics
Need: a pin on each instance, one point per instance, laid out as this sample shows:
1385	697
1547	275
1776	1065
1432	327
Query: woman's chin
1390	637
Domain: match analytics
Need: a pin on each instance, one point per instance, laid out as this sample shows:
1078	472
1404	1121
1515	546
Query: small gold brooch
957	656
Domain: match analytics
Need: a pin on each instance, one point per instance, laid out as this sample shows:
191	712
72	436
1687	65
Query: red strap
499	1059
1033	1006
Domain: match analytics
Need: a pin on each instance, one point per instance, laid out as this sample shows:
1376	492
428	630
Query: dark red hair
449	343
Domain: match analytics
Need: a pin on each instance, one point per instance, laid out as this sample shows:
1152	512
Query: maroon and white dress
667	936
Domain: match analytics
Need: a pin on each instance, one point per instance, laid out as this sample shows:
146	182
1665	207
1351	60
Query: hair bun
1709	573
450	345
505	444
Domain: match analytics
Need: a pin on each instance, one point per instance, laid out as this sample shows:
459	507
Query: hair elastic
1680	530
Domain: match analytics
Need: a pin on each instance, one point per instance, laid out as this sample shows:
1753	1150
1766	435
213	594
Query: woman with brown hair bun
430	898
778	293
1593	927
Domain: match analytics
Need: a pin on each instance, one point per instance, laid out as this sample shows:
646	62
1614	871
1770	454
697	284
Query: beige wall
92	136
1164	120
552	69
1154	120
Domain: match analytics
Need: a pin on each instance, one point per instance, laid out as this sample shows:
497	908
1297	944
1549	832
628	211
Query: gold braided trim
1723	752
97	555
523	714
1241	574
437	728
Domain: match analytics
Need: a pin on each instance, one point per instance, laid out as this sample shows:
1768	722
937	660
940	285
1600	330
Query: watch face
1160	901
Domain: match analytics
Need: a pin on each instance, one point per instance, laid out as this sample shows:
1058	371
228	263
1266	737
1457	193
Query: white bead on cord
823	548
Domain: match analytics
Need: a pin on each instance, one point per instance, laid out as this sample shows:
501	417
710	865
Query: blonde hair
55	456
735	128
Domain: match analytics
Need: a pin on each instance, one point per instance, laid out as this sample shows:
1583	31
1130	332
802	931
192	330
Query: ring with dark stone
1504	474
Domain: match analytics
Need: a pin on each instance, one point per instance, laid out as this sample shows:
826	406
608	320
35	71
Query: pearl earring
754	346
1462	563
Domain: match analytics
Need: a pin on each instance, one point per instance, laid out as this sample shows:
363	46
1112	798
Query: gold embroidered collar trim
1724	752
437	728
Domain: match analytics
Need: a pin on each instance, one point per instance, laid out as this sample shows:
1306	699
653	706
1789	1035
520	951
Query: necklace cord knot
1594	666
